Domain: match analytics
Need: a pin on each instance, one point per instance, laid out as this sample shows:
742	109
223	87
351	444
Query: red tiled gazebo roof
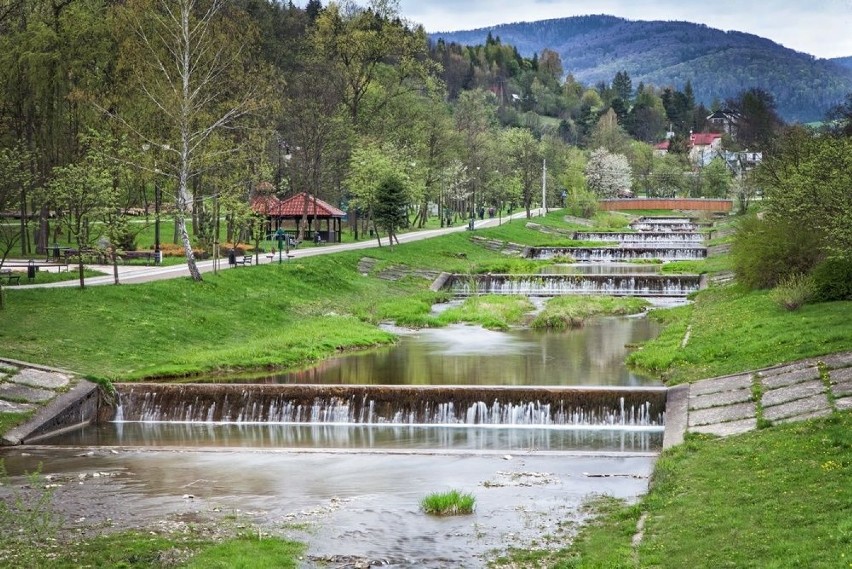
294	207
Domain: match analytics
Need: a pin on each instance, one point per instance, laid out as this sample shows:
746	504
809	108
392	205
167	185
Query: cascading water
562	284
664	224
391	405
655	238
618	254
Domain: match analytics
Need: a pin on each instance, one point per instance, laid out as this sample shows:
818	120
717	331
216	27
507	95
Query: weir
390	405
563	284
645	237
663	224
617	254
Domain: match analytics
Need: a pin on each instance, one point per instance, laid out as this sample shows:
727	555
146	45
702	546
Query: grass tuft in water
572	311
452	503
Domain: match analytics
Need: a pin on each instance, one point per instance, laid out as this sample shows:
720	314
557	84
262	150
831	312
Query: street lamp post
280	236
472	222
158	254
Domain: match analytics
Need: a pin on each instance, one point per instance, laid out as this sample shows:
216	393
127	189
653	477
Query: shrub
832	280
582	203
766	251
793	292
452	503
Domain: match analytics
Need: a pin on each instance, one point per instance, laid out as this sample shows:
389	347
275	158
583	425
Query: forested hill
719	64
844	61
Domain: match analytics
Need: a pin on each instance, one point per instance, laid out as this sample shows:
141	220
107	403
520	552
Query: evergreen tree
623	87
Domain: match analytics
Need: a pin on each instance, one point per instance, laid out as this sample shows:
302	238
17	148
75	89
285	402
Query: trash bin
232	258
31	270
158	257
470	224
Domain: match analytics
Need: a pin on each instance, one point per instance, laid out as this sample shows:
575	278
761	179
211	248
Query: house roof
664	145
703	138
294	206
727	114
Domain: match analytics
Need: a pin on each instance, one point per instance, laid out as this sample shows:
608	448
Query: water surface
470	355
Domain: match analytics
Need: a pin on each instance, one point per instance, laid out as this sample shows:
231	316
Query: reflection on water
342	436
470	355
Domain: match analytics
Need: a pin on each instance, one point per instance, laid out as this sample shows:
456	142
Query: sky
822	28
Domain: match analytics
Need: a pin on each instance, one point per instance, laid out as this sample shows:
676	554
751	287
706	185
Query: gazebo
287	214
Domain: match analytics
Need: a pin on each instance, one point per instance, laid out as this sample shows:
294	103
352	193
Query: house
704	147
725	120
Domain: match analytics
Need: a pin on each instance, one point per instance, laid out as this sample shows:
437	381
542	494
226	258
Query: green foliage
27	519
143	550
581	203
806	181
719	65
765	251
495	312
832	280
9	420
573	311
793	292
716	180
709	498
709	265
391	201
249	552
611	221
509	266
451	503
734	330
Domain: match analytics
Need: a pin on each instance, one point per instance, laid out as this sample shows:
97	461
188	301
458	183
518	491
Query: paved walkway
24	387
801	390
134	274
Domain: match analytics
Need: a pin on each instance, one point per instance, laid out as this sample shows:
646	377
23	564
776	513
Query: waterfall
617	254
656	238
397	405
562	284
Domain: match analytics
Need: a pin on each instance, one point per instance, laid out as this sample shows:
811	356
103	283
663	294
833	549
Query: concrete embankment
60	400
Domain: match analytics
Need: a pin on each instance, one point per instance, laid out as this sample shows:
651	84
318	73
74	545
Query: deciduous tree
607	174
189	59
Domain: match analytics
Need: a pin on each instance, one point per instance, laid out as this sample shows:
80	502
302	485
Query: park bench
10	277
244	260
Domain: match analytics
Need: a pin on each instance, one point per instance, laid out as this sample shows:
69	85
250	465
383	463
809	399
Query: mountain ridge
719	64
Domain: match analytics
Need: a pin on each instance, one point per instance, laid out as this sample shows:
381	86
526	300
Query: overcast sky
820	27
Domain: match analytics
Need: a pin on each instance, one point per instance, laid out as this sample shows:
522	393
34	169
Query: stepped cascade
397	405
619	254
665	224
555	284
669	238
658	239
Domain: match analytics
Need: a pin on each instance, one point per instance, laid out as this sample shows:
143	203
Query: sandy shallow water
353	509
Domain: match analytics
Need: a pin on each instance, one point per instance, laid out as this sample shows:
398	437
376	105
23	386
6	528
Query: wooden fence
674	203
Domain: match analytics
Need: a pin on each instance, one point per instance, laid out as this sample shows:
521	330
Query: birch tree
189	66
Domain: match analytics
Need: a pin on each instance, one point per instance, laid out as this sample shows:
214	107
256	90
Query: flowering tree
608	175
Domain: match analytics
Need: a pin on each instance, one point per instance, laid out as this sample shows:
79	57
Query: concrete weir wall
70	410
